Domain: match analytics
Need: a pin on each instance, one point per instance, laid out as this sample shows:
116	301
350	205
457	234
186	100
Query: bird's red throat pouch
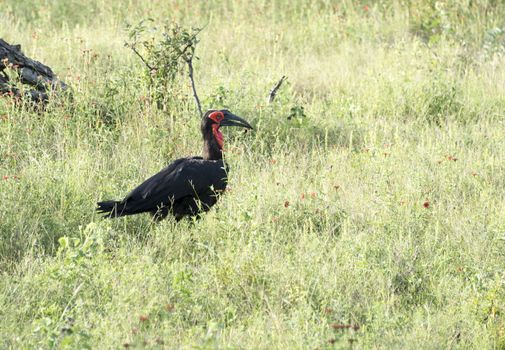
218	135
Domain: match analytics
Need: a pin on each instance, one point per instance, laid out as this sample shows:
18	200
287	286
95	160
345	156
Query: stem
190	68
273	92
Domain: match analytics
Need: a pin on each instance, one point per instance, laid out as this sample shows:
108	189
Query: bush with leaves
164	50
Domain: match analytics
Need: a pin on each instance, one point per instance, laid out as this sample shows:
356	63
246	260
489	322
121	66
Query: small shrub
164	51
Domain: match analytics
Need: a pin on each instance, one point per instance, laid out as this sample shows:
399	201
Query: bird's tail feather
111	209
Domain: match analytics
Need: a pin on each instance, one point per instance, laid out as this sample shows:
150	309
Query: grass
379	206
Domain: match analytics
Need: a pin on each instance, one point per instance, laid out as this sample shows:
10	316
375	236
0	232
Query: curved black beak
231	119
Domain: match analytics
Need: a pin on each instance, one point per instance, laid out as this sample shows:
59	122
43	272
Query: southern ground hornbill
186	187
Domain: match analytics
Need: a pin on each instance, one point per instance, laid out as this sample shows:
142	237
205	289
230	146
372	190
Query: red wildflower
286	204
143	318
426	204
302	196
5	177
366	8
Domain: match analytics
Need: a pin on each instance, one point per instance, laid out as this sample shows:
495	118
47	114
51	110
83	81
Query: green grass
382	207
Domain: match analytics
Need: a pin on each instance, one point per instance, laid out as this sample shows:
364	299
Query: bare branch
273	92
197	100
142	58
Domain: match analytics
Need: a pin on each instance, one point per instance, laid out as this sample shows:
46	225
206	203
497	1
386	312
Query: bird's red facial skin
218	135
217	116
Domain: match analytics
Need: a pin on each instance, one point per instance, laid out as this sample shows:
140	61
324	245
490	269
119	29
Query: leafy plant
494	41
431	21
297	115
164	50
218	99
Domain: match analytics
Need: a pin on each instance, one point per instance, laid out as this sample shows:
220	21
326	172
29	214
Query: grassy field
366	210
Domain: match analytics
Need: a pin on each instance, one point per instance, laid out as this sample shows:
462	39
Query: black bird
186	187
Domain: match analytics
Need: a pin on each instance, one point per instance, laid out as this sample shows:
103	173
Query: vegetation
366	210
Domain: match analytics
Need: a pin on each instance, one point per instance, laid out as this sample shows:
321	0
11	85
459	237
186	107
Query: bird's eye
217	116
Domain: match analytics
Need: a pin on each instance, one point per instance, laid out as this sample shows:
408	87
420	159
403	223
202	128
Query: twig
273	92
74	294
183	52
189	61
193	37
142	58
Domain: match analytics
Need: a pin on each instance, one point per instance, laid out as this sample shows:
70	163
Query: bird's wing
184	177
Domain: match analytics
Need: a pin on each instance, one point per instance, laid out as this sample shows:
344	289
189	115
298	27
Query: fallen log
30	72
